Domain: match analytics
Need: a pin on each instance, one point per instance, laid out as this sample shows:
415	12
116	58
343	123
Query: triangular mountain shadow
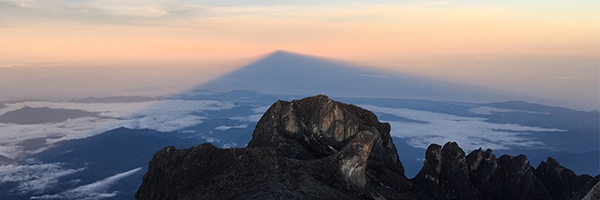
286	73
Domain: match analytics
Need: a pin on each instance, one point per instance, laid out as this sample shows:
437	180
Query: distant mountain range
116	99
29	115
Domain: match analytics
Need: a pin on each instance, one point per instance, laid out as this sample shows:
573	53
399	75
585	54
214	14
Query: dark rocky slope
449	174
316	148
590	190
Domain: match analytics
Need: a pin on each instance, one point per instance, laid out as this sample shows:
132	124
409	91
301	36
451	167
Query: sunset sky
548	49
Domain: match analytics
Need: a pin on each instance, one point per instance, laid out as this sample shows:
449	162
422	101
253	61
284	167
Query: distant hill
104	156
117	99
29	115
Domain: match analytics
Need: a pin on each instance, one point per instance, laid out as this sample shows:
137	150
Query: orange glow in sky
364	31
445	39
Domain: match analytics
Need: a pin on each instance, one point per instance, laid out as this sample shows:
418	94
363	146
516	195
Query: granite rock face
318	127
317	148
445	174
314	148
448	174
560	182
590	193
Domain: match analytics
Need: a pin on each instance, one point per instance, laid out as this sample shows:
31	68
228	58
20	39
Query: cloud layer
34	178
164	115
224	128
93	191
471	133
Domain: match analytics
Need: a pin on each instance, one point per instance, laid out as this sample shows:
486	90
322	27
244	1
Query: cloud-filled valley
164	116
420	128
227	120
34	177
96	190
472	133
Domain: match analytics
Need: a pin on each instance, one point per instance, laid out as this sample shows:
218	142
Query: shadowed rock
317	148
561	182
445	174
448	174
318	127
314	148
590	194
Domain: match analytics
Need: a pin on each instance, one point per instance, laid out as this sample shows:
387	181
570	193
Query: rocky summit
317	148
448	173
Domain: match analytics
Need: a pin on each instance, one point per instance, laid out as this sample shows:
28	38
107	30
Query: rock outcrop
448	174
560	182
591	194
445	174
318	127
317	148
314	148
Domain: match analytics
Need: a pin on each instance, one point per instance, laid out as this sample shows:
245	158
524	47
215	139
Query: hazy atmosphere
338	99
546	51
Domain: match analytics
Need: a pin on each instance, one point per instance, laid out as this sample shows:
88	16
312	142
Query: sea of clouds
162	115
470	132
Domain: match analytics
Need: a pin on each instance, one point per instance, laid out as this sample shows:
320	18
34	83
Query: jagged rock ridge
317	148
448	174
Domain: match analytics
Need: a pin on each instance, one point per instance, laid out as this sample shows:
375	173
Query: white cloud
23	3
33	178
229	145
162	11
163	123
261	109
164	115
135	10
251	118
210	139
470	133
11	135
93	191
224	128
148	8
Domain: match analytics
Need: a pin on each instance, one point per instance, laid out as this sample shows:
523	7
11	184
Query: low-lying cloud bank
34	178
161	115
97	190
470	132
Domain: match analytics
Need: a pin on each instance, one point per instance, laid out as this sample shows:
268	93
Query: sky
548	49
